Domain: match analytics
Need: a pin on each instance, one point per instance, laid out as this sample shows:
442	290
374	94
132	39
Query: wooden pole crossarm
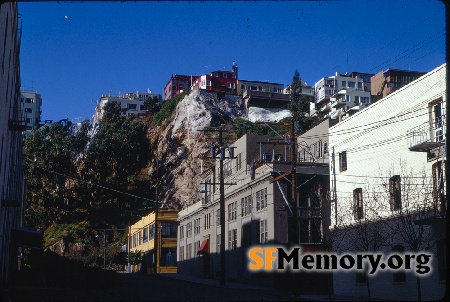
280	177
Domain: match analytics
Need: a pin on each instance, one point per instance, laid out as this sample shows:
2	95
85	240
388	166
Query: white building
382	182
31	103
132	103
339	96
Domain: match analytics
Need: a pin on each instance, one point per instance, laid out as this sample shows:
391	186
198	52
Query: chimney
234	68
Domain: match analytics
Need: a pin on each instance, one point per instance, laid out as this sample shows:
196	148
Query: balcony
427	136
325	108
337	103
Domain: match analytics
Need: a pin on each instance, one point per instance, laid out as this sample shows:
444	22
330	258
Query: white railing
429	132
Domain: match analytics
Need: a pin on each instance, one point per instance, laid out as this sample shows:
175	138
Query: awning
204	247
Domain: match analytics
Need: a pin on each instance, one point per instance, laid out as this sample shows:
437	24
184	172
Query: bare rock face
182	146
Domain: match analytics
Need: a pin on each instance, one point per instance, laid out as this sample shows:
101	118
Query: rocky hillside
183	147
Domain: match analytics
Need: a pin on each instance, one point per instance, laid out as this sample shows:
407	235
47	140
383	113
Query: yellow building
155	236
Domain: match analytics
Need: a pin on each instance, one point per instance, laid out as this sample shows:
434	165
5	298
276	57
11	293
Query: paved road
140	287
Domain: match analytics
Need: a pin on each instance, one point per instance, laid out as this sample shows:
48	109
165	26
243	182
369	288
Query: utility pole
294	184
222	156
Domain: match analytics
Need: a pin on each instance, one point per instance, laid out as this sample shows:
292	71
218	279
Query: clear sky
73	52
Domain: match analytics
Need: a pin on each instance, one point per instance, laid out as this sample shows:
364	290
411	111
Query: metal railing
430	133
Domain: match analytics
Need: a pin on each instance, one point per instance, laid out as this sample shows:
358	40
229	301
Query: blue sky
73	52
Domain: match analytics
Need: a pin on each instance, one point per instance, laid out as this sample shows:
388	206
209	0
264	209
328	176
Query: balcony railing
427	136
263	95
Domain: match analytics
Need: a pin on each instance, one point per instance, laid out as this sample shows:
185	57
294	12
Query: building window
132	106
134	240
139	237
208	83
399	274
29	120
246	235
145	234
238	162
395	193
246	205
207	221
438	183
218	217
343	161
225	75
141	107
232	240
181	253
261	199
152	232
344	83
351	84
29	100
232	211
189	230
197	226
181	232
196	247
227	170
188	251
28	110
358	204
263	231
169	230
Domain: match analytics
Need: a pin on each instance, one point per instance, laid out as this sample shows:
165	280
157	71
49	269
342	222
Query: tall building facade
388	81
388	184
11	139
31	103
340	96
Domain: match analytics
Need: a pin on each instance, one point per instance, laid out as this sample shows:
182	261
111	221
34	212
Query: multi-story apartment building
132	103
386	82
220	80
389	190
155	236
177	84
11	143
339	96
258	211
31	103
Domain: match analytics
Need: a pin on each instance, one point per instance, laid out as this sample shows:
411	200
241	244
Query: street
141	287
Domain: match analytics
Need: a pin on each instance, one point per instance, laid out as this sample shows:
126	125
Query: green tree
112	165
152	104
50	155
299	104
